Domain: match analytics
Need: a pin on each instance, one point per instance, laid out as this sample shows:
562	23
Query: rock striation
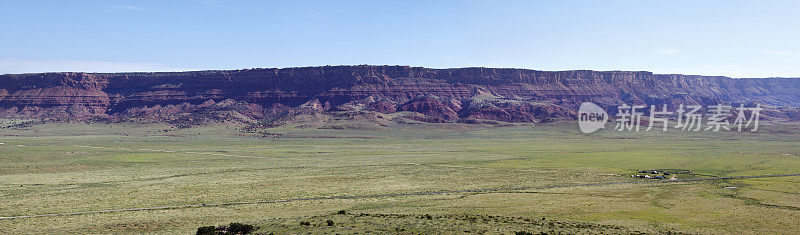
433	95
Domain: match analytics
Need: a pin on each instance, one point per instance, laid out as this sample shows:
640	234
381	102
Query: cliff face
441	95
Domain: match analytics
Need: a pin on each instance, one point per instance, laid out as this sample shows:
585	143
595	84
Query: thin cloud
784	53
10	66
668	51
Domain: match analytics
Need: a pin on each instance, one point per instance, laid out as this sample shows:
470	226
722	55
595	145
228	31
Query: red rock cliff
514	95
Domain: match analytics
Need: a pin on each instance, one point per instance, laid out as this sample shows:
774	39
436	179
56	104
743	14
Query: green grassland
71	167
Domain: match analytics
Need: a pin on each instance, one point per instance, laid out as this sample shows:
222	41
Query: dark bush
207	230
341	212
523	233
238	228
305	223
329	222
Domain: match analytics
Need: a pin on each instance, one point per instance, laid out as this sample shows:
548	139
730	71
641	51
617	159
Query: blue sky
731	38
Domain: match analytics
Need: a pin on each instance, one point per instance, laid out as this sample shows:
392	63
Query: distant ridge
413	93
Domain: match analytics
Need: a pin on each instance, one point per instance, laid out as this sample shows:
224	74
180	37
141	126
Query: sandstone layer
431	95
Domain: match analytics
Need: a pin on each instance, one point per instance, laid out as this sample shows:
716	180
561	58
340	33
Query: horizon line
386	65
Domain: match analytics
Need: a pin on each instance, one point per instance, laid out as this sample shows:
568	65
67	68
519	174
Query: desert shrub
238	228
523	233
305	223
233	228
341	212
207	230
329	222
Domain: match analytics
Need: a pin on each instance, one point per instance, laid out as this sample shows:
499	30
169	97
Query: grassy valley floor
70	167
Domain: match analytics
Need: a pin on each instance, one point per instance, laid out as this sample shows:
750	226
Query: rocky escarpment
433	95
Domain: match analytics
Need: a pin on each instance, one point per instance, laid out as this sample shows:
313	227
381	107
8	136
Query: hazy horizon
379	65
